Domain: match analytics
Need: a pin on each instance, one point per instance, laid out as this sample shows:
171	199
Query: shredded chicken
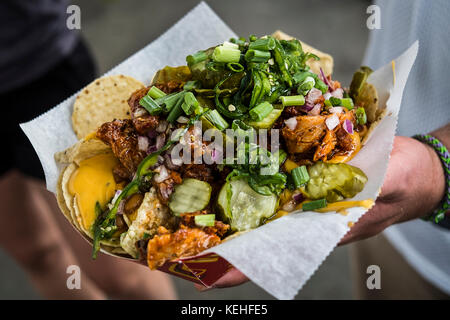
306	135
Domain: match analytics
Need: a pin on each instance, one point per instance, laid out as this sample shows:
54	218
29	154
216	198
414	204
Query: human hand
413	187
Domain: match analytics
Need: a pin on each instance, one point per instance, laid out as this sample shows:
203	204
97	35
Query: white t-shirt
425	107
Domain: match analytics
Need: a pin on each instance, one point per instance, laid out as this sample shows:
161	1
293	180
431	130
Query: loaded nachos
246	132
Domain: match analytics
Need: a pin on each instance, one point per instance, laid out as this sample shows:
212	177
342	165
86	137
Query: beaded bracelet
439	214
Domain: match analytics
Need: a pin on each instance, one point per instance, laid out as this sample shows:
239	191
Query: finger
232	278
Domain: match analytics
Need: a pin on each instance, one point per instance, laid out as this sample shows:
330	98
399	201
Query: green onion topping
216	119
261	111
155	93
300	176
314	205
226	54
150	105
205	220
347	103
292	100
195	58
257	56
263	44
361	117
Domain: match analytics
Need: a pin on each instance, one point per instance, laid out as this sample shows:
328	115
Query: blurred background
115	29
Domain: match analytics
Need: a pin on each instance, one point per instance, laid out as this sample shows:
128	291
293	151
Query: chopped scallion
361	116
335	101
155	93
205	220
235	66
226	54
257	56
263	44
314	205
150	105
347	103
306	85
176	110
197	57
216	119
190	103
298	100
300	176
261	111
171	100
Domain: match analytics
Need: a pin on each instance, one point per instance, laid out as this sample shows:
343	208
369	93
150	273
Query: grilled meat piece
123	139
165	188
142	120
170	87
121	174
184	242
201	172
307	134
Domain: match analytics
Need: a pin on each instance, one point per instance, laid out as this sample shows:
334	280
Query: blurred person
413	254
42	62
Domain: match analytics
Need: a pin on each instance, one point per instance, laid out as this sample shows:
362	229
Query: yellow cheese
93	181
342	205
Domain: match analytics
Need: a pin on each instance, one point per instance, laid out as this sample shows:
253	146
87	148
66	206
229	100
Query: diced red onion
336	110
348	126
298	197
307	107
160	140
327	96
316	110
312	96
120	207
143	143
139	112
332	121
182	119
291	123
338	93
161	175
116	195
324	78
152	134
162	126
151	149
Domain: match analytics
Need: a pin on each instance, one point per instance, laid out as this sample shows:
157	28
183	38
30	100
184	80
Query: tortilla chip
379	116
325	62
83	149
103	100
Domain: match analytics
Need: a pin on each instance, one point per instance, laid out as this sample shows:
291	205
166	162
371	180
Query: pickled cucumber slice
190	196
242	207
334	181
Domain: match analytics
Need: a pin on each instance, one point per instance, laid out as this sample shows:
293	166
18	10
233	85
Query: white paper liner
279	256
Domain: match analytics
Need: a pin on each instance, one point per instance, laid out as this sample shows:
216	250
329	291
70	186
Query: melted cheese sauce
93	181
341	206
